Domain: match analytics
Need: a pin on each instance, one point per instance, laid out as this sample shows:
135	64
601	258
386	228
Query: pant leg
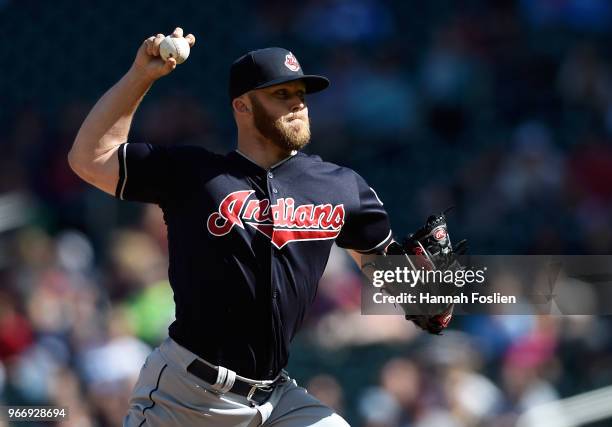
297	408
167	396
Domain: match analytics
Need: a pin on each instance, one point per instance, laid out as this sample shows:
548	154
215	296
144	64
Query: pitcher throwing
249	235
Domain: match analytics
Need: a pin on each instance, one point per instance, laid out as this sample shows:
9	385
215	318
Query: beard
290	132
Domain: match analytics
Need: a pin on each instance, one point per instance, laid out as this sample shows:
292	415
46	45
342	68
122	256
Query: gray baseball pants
167	395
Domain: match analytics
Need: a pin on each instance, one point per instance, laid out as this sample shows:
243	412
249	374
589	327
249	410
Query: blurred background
502	109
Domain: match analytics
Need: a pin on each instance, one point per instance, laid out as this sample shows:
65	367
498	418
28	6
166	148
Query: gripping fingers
148	45
152	44
170	64
190	39
155	45
178	32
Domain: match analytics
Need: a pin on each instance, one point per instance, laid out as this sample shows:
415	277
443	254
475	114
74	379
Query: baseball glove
430	248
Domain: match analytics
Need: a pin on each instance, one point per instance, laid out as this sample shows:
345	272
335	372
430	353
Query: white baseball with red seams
174	47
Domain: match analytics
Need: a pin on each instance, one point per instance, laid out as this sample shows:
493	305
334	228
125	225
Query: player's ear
240	106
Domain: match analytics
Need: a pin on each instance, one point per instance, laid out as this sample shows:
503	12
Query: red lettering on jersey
220	223
337	217
321	215
256	209
303	216
278	213
289	202
282	222
281	237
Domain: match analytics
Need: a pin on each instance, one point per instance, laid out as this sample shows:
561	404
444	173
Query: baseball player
249	235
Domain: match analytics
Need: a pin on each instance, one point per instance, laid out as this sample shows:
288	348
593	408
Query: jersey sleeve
156	173
367	228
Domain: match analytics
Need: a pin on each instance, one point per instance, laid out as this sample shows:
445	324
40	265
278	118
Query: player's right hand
149	64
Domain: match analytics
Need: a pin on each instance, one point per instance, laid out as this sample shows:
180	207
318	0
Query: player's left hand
430	247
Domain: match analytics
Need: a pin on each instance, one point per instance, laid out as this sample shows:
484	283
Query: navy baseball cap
268	67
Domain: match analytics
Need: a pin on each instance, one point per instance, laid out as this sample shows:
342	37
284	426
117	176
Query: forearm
108	123
93	154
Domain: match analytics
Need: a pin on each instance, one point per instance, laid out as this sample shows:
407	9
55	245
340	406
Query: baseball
174	47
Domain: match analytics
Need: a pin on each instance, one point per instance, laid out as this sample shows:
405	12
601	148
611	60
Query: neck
261	150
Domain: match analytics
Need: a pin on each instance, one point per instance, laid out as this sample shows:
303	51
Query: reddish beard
282	134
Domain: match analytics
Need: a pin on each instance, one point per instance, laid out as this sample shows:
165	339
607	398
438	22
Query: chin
292	134
294	143
297	125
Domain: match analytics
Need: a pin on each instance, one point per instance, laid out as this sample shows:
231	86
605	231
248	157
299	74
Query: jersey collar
275	165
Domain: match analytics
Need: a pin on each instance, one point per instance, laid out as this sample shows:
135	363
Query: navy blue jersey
247	245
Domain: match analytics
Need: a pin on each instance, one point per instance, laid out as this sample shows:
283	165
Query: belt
223	380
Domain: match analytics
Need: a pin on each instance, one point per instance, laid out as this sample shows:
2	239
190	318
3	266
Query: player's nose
299	106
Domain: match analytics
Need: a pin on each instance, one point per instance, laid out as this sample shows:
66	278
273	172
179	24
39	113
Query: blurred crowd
502	109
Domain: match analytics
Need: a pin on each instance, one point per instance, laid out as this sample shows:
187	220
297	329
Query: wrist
139	76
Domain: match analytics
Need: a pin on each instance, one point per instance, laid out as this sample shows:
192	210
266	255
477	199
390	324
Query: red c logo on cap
291	62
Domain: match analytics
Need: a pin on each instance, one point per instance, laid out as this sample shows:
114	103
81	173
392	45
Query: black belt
258	394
